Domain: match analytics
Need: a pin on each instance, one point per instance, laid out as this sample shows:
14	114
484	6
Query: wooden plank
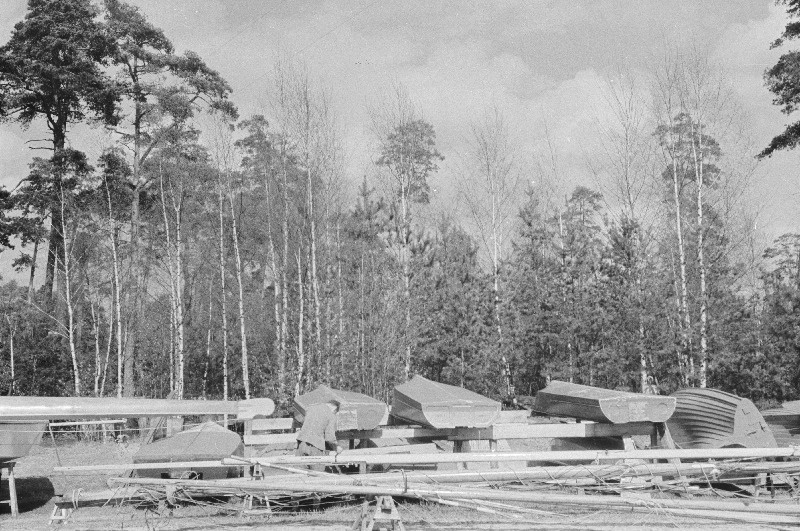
514	416
272	424
86	423
48	407
406	432
534	431
496	432
425	448
555	456
146	466
269	438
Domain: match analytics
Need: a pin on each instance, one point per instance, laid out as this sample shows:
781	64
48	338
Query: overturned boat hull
18	437
23	419
206	442
784	422
428	403
710	418
564	399
356	411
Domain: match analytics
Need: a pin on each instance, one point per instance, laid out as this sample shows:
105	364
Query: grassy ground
37	486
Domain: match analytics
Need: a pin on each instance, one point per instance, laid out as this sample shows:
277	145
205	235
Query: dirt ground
38	486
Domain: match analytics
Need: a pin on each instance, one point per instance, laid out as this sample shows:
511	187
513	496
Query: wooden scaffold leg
12	487
383	516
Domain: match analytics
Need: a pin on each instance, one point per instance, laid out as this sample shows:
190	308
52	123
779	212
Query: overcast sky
541	62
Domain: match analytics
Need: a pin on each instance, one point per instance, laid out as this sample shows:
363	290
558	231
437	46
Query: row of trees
213	256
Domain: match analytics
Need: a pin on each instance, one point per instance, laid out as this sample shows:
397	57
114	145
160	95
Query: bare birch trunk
301	355
12	329
208	338
564	292
312	235
406	250
223	299
175	267
108	356
242	327
277	290
68	299
97	358
33	270
116	290
340	293
683	298
676	286
282	373
701	264
179	287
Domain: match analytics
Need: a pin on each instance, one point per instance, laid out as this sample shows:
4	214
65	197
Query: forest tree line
208	254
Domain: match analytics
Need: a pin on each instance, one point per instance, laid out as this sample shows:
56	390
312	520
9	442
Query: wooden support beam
558	456
12	487
399	459
86	423
144	466
496	432
32	408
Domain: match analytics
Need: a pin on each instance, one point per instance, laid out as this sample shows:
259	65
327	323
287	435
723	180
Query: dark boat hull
427	403
785	423
709	418
564	399
206	442
356	411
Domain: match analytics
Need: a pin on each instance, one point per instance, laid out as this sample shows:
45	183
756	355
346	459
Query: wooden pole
542	456
525	473
46	408
476	494
533	473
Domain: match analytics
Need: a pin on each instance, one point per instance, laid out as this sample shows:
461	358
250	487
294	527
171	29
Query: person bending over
318	432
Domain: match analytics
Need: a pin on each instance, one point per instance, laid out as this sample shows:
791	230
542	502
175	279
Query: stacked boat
437	405
356	411
710	418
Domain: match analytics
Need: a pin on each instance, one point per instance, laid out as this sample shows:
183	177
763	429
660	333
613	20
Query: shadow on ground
32	493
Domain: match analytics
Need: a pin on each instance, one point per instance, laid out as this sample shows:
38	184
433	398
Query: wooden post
175	425
12	487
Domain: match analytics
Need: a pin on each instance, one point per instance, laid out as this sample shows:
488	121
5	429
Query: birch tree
666	106
162	92
624	168
224	159
491	189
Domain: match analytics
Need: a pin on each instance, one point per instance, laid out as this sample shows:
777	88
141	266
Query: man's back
319	427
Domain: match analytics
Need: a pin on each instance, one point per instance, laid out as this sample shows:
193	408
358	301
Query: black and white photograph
399	264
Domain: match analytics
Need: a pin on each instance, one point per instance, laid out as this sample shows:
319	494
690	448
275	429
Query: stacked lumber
527	486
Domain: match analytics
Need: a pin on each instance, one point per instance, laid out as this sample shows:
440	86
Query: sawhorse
383	516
